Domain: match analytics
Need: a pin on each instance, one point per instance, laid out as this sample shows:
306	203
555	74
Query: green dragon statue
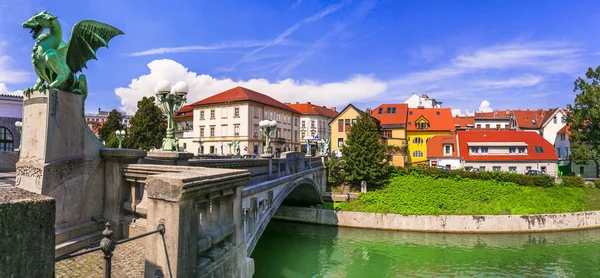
56	62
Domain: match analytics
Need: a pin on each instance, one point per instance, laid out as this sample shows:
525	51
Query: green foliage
427	195
539	181
148	126
584	119
572	181
112	124
597	183
335	171
363	153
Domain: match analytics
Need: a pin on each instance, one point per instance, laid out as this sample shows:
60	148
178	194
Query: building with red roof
421	125
392	118
513	151
499	119
314	122
545	122
464	122
442	150
235	114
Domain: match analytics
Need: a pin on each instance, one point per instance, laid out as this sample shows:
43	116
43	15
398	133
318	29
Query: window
422	125
202	115
6	140
303	135
255	131
387	133
212	131
498	126
554	119
512	169
340	142
304	123
223	130
417	153
527	168
295	135
496	168
484	149
538	149
212	114
478	125
487	125
437	113
184	146
558	152
393	110
474	149
522	149
567	151
409	112
562	120
312	123
581	170
380	110
340	126
543	169
353	121
201	131
236	130
563	137
223	113
236	112
417	140
482	168
448	150
512	150
256	112
389	110
347	125
295	121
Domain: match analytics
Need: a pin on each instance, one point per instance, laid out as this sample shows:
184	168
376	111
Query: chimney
308	102
421	107
368	110
424	96
324	106
98	110
333	108
297	102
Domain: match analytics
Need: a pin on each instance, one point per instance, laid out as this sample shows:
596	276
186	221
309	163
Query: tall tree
583	118
112	124
148	126
363	153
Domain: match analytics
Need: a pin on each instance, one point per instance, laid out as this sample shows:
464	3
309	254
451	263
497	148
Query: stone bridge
214	210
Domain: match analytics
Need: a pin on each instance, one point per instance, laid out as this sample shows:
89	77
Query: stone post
200	210
60	156
116	189
26	233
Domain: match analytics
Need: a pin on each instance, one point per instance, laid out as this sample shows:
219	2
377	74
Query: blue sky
512	54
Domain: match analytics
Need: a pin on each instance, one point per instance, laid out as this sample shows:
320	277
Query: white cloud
4	91
484	106
427	53
296	4
521	81
199	48
7	73
356	88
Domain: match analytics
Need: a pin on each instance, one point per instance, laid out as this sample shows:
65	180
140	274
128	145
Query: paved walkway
127	261
7	179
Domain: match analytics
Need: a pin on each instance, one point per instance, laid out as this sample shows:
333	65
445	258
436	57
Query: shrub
575	181
597	183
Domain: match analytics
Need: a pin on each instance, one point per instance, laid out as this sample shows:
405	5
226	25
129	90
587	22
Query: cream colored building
314	123
234	115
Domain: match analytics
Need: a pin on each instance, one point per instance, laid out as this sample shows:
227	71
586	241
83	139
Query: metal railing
108	245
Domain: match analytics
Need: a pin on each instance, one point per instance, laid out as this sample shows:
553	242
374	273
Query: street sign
316	137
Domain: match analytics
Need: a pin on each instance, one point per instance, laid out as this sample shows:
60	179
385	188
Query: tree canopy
107	131
584	119
363	153
148	126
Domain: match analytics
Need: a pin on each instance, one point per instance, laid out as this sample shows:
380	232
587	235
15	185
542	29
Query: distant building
341	125
424	100
314	123
393	127
102	116
11	111
499	119
464	122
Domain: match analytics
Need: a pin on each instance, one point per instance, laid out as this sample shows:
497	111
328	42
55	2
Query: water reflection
300	250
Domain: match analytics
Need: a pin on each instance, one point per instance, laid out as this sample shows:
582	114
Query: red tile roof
242	94
184	112
311	109
464	122
533	118
498	114
565	129
532	139
397	118
435	146
439	118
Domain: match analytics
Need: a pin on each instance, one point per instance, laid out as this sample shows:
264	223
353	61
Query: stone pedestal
60	156
168	158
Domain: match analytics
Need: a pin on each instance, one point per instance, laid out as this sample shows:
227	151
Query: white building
545	122
562	145
442	150
11	111
102	116
493	120
314	122
235	115
424	100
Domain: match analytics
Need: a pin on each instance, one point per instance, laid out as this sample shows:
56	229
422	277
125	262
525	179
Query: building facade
442	150
424	100
423	124
102	116
499	119
314	124
562	146
544	122
392	118
235	114
11	111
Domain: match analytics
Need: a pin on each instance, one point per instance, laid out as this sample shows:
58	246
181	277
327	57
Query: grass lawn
417	195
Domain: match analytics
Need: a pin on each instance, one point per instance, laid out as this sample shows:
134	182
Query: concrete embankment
443	223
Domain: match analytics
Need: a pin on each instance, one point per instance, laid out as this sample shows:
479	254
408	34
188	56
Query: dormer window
447	149
538	149
380	110
422	125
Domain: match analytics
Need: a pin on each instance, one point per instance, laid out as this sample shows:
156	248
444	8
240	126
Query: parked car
443	168
534	173
474	170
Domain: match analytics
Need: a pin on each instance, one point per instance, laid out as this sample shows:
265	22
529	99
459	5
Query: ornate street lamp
321	145
267	127
120	135
170	100
19	126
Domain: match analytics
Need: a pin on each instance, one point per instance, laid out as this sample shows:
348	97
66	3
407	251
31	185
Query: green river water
302	250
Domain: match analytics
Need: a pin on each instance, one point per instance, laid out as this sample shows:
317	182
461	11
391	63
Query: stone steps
77	243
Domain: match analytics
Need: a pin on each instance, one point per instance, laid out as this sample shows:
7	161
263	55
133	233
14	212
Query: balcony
279	140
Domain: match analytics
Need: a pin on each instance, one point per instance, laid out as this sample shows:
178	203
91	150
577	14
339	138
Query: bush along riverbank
415	191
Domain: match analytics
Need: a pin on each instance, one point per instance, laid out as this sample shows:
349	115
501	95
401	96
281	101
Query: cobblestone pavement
127	261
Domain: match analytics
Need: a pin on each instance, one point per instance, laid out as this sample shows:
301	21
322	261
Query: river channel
303	250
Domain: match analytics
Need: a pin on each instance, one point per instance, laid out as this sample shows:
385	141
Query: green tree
148	126
335	171
584	119
107	131
364	154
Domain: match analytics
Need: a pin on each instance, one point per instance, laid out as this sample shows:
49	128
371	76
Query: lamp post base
170	145
266	155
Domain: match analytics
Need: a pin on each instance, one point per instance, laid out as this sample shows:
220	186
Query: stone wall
8	161
26	234
444	223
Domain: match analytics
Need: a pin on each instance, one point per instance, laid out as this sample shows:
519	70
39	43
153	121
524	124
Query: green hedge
540	181
574	181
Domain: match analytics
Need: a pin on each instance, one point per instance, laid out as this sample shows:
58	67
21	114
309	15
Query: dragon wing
86	37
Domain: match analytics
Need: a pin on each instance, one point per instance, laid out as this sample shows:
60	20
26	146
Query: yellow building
341	124
423	124
393	126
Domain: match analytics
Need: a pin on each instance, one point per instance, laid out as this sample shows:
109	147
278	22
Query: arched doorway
6	140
